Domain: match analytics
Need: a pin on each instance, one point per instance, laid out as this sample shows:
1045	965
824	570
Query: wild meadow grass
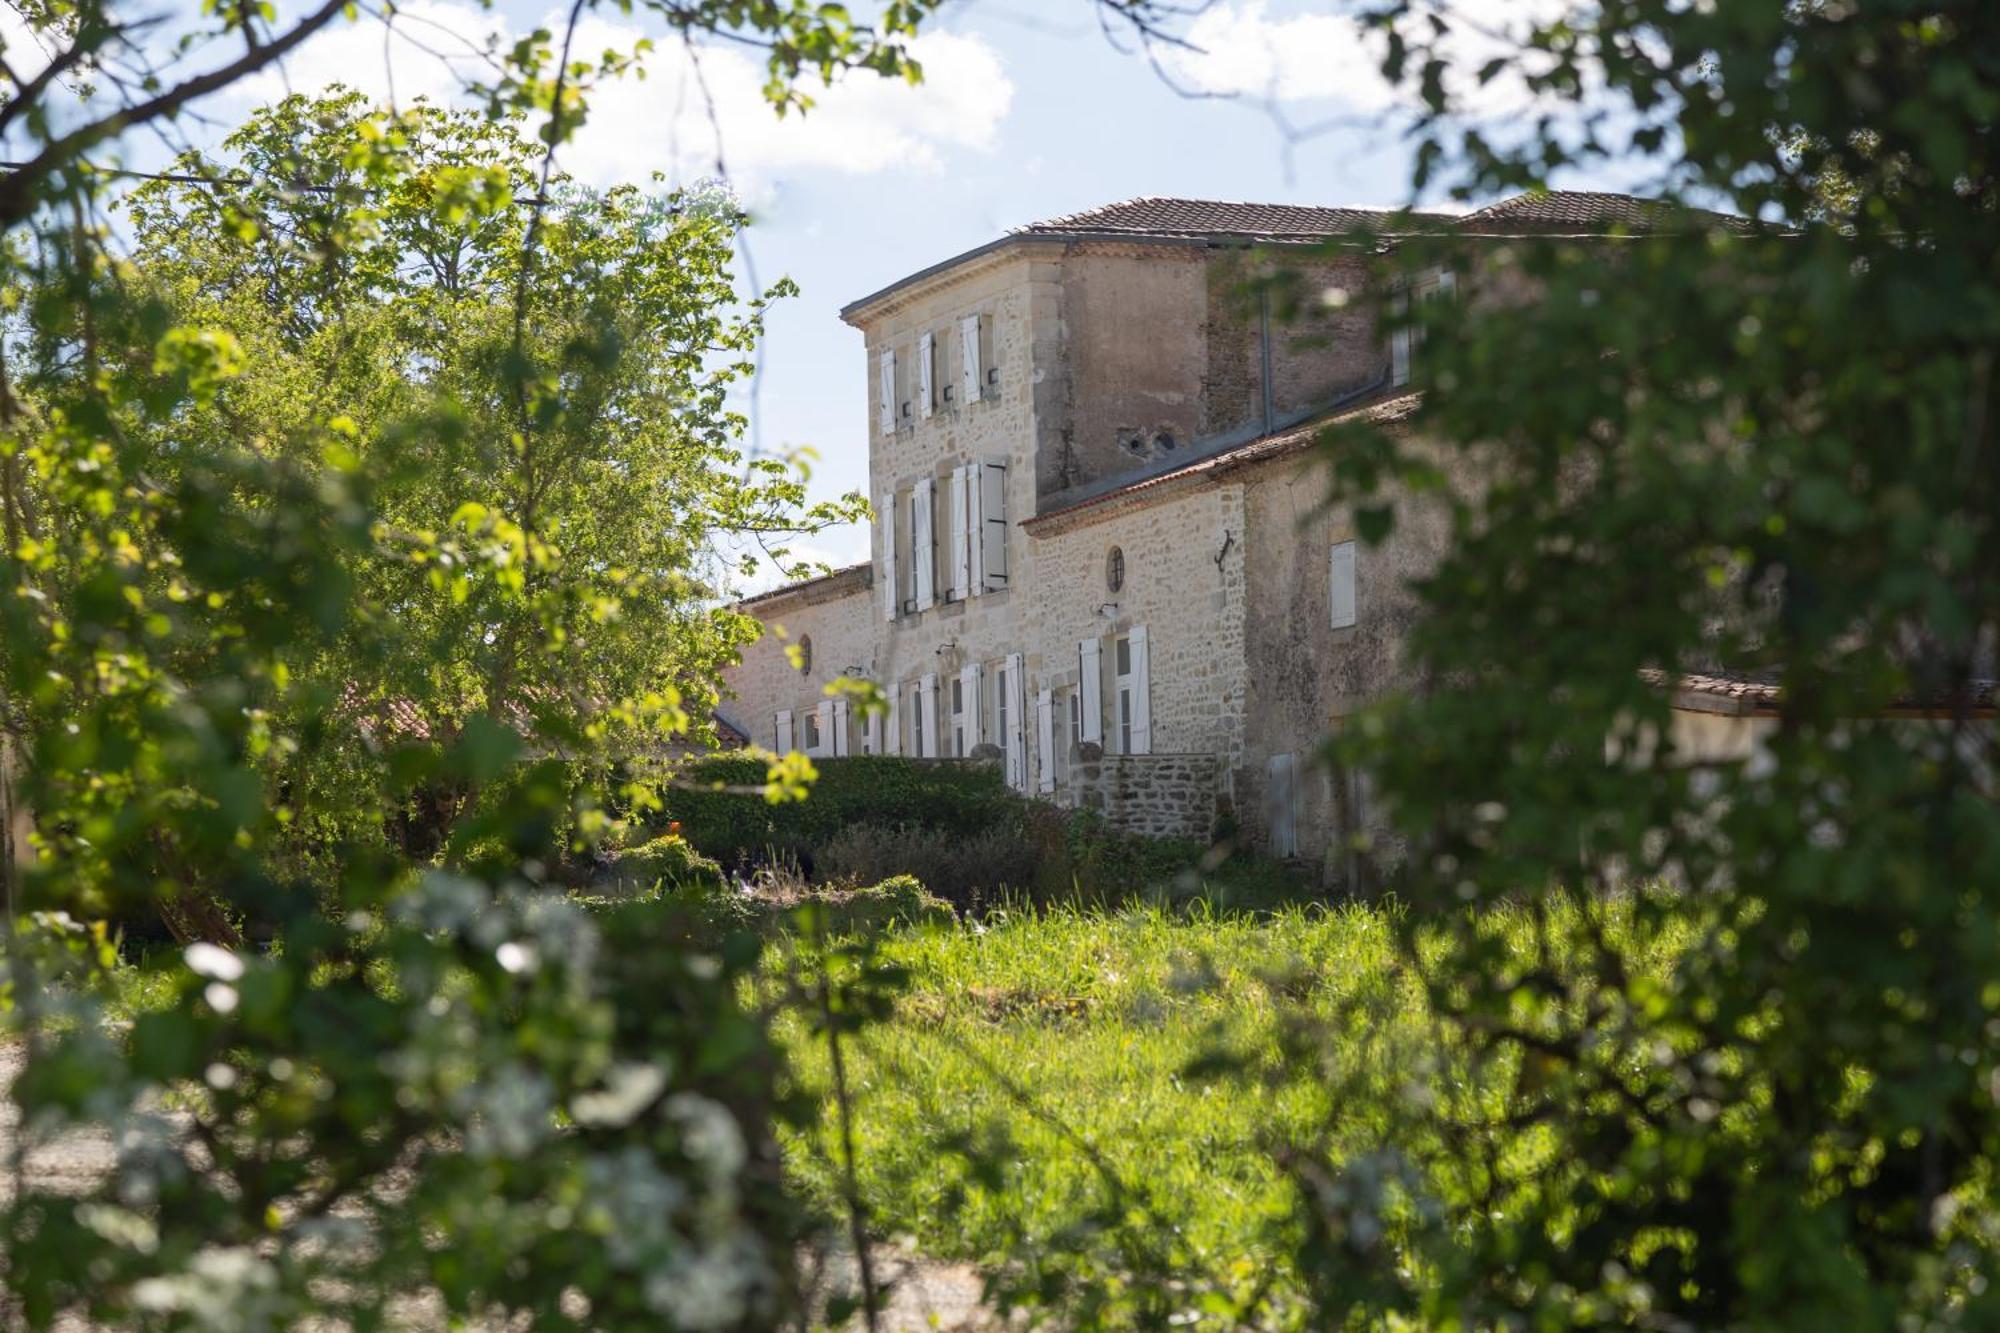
1047	1085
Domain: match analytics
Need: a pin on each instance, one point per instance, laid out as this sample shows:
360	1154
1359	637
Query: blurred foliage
1763	444
358	489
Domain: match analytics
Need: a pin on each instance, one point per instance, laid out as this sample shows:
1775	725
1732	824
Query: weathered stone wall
1157	795
1184	581
1014	295
1161	355
836	616
1306	678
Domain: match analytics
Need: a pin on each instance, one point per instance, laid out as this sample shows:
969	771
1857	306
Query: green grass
1032	1107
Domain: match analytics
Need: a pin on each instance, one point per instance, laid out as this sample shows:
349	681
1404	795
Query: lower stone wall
1157	795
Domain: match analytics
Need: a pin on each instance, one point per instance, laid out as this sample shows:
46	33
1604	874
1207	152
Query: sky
1026	111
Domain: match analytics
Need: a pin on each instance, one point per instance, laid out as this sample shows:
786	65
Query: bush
898	901
967	871
669	862
740	828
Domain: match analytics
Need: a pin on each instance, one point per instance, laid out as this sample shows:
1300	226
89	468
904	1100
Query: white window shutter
886	512
885	391
926	361
968	685
784	731
927	702
1016	739
1045	741
1399	344
922	549
1090	689
975	528
961	570
871	732
971	364
1281	804
1142	693
892	733
993	526
823	714
837	738
1340	585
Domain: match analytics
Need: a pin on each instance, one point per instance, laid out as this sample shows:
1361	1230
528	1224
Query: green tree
1766	447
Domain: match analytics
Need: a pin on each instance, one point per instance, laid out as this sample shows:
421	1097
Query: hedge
957	800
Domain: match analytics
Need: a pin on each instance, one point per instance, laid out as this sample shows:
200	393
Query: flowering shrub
472	1095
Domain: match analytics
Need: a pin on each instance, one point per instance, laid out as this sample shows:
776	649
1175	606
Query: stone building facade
1101	545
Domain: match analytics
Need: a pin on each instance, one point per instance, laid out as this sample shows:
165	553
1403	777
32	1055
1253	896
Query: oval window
805	654
1114	569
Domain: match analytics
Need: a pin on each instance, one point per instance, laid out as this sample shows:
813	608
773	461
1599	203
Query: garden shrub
668	861
718	806
967	870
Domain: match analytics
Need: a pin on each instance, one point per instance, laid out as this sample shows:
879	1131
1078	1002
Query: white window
885	390
926	375
871	732
1013	730
990	558
966	700
923	548
1045	741
1342	605
927	709
1090	692
885	513
959	527
782	731
819	726
892	726
971	362
1133	693
915	710
839	736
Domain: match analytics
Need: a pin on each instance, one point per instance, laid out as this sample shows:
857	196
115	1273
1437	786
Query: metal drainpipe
1264	351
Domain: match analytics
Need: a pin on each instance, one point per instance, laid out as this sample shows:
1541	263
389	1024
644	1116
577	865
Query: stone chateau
1100	544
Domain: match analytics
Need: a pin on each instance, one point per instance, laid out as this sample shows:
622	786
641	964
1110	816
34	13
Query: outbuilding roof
1157	215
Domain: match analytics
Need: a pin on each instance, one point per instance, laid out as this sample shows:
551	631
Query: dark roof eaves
862	573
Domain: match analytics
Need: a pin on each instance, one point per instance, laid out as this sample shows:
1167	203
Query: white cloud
1241	49
861	126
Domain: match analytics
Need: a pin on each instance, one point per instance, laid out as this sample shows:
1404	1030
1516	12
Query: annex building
1101	544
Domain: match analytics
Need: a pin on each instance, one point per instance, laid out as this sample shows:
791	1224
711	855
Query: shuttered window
782	729
927	712
1281	804
993	526
969	714
886	516
1134	693
971	362
1045	741
958	559
926	375
1014	729
1341	601
1090	691
923	548
885	391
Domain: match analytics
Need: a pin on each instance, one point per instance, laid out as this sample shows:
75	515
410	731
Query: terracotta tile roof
860	576
1583	211
1157	216
1580	211
1399	406
1762	693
